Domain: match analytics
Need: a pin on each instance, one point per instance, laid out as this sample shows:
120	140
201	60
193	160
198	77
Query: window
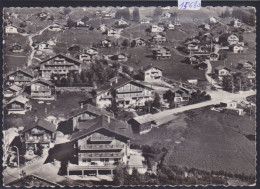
84	160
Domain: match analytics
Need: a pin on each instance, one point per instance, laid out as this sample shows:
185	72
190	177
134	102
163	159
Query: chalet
85	113
12	91
162	53
237	48
151	73
106	43
221	71
245	64
193	81
230	39
20	77
121	57
213	20
166	8
98	13
122	22
55	27
237	23
42	90
92	51
59	65
41	133
144	21
156	29
166	15
18	105
194	59
43	46
113	33
107	15
11	29
207	27
159	38
102	144
16	48
85	57
140	42
128	93
180	94
81	24
141	124
43	15
251	75
213	56
170	26
193	47
103	28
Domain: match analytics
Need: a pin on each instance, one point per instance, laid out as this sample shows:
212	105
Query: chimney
81	105
108	119
116	79
36	119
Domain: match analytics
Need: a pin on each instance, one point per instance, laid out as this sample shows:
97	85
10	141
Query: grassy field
172	68
11	63
216	141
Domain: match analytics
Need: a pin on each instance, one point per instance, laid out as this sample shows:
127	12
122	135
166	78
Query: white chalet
157	29
144	21
11	29
170	26
126	93
222	71
55	27
113	33
233	39
213	20
237	48
151	73
140	42
103	28
237	23
122	22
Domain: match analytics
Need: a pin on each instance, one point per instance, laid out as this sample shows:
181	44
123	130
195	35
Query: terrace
101	147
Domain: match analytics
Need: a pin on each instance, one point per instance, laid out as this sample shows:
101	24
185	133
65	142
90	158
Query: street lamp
18	161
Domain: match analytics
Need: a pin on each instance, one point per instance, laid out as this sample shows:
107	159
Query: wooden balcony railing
100	147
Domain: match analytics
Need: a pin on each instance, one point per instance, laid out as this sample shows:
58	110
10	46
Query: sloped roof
151	66
244	61
222	67
43	81
43	124
25	71
15	88
62	55
144	118
101	122
20	99
90	108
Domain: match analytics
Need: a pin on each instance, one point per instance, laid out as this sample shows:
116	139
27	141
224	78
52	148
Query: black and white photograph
129	96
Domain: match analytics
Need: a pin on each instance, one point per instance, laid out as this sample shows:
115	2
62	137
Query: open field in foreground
216	141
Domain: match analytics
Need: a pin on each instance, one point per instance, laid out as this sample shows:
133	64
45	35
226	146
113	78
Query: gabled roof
20	99
43	81
24	70
222	67
11	26
91	109
143	119
43	124
62	55
15	88
244	62
102	122
151	66
120	82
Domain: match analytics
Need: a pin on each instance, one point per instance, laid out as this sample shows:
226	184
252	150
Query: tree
77	78
70	23
157	11
157	101
39	150
136	15
66	10
125	43
123	13
23	24
133	43
228	83
85	19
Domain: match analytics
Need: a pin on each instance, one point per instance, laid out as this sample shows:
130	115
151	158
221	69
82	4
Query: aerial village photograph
121	96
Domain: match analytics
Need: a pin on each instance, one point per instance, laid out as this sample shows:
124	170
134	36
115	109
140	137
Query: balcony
103	155
103	138
72	167
37	140
101	147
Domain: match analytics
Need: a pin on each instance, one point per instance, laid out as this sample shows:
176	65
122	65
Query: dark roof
221	67
151	66
43	81
244	61
25	71
62	55
102	122
120	82
90	108
41	123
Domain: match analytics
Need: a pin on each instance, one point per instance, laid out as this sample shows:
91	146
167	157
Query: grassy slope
215	141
